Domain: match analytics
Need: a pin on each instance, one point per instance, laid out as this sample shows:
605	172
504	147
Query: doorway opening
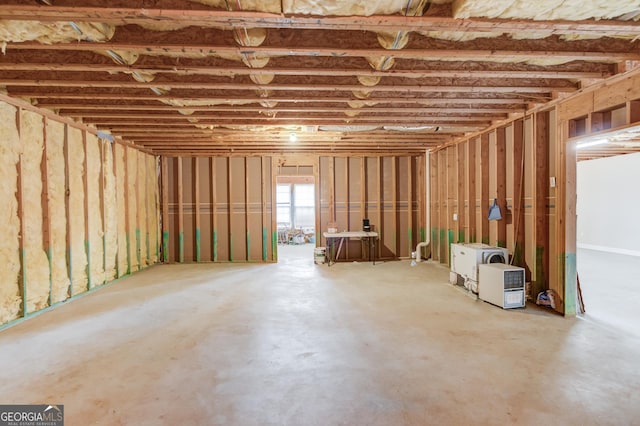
608	235
295	216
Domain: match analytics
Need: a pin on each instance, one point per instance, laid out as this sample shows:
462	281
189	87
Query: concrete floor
611	288
295	343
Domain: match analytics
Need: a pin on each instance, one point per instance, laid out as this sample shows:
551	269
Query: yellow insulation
574	10
122	212
132	177
76	210
57	211
142	208
111	212
360	7
54	32
37	264
250	36
10	298
203	102
94	204
262	78
272	6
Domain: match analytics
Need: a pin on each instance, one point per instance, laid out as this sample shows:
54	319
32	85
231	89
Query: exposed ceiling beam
280	87
274	51
507	99
234	71
242	19
281	121
98	109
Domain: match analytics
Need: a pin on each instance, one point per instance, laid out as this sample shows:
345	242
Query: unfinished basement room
303	212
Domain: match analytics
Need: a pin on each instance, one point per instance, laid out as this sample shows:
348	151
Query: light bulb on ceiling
293	138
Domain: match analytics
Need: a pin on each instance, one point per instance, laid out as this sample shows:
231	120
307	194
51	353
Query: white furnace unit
466	257
502	285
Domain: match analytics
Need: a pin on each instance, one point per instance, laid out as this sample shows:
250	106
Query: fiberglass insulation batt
36	262
132	174
123	261
94	203
57	210
111	212
10	299
76	210
142	208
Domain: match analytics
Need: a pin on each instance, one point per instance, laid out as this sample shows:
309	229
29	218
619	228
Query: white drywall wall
609	204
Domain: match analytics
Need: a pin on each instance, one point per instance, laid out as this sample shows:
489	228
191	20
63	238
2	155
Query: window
295	205
304	205
283	203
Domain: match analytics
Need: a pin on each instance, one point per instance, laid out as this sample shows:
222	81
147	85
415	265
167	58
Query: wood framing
501	181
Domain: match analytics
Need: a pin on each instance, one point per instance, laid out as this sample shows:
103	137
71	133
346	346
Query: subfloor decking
301	344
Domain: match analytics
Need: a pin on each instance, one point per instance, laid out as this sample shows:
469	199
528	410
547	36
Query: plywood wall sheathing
10	147
219	207
55	135
36	261
383	189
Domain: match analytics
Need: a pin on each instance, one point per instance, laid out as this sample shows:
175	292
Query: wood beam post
444	207
103	210
127	220
47	242
484	191
165	209
274	211
214	210
435	205
87	224
472	162
180	212
394	204
246	209
23	227
541	140
462	168
196	207
501	181
67	208
230	216
518	193
263	202
380	227
565	220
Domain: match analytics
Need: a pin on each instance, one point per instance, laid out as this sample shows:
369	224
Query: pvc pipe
427	240
418	247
